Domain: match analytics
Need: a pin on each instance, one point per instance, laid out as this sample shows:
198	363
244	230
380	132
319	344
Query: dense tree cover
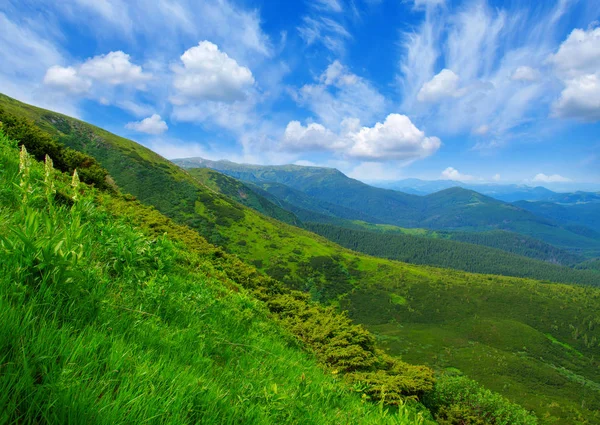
517	244
586	214
593	264
511	335
450	254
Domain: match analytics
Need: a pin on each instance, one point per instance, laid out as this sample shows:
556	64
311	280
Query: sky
504	91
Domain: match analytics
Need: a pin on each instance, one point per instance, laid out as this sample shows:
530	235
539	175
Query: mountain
576	214
533	342
454	208
502	192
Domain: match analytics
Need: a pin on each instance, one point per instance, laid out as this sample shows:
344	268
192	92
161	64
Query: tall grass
100	324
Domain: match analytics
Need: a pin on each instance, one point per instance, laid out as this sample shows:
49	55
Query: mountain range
332	195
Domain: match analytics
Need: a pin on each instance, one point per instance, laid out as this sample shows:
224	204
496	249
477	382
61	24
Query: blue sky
476	90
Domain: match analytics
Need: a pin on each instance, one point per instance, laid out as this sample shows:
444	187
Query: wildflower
75	184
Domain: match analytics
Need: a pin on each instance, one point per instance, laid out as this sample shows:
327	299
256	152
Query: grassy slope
451	254
453	208
103	324
433	315
244	195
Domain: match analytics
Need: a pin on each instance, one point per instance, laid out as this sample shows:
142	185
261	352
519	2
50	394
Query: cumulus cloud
496	177
554	178
397	138
580	99
114	68
67	80
151	125
443	85
577	63
299	138
525	73
209	74
579	54
452	173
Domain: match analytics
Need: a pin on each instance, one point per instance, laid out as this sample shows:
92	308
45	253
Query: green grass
103	324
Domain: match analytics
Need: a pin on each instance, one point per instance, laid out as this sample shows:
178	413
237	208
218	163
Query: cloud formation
151	125
114	68
554	178
577	64
396	139
452	173
340	94
210	74
443	85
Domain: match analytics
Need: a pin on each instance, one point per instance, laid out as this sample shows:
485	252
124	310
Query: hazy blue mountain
502	192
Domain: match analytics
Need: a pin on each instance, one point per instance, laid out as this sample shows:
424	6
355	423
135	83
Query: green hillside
535	343
450	209
241	193
105	322
450	254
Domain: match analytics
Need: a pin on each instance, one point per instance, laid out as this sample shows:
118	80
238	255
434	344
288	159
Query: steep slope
243	194
544	336
105	321
453	208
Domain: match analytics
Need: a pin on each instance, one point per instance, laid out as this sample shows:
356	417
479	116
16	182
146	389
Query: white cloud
395	139
554	178
580	99
339	95
66	80
324	30
299	138
26	52
443	85
525	73
452	173
209	74
496	177
485	46
114	68
151	125
577	63
579	54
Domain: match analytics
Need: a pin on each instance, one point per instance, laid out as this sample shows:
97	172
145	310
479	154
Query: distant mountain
578	214
318	190
502	192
